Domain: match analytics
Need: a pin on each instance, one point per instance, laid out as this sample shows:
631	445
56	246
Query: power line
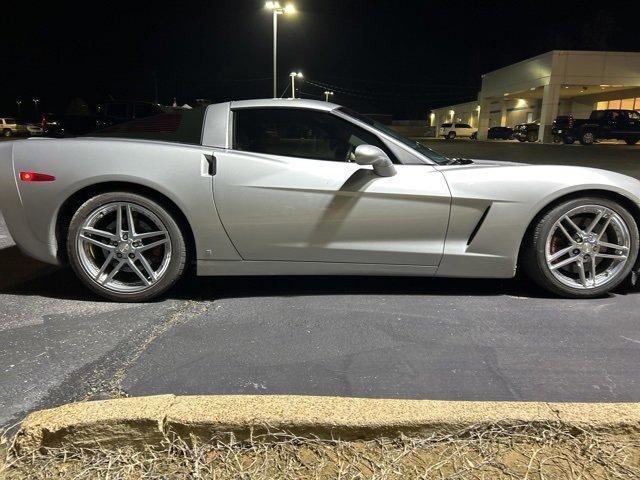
421	84
377	95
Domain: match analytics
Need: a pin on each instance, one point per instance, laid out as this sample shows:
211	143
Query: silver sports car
298	187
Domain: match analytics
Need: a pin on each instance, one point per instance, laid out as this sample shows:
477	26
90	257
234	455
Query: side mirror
370	155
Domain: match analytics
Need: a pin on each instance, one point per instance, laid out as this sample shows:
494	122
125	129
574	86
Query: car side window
293	132
462	125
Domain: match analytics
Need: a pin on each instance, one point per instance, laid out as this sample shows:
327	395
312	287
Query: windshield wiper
459	161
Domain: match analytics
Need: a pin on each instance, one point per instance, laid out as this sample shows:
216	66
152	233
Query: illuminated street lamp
293	76
36	101
327	93
19	103
277	9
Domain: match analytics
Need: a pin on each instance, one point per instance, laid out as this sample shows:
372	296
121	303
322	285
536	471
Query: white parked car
454	130
34	130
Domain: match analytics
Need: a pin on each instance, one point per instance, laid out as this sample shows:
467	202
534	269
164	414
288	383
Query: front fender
515	195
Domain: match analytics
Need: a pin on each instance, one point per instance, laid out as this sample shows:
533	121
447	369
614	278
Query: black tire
587	138
521	139
532	136
568	140
533	259
451	135
557	139
177	262
7	133
631	141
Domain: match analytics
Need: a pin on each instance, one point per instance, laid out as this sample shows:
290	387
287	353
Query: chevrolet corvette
300	187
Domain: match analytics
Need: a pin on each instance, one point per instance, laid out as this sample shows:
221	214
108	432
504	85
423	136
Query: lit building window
627	104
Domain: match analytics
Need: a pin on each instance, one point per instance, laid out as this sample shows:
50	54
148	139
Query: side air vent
479	225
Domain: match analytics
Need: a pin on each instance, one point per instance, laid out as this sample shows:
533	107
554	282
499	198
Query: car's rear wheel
7	132
582	248
631	141
587	138
532	136
126	247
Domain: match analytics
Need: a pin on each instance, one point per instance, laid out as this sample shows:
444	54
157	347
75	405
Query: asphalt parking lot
371	337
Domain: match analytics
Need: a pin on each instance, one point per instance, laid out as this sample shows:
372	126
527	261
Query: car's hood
478	163
496	163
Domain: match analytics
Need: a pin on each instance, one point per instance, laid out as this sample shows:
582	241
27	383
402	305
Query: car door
629	122
463	129
289	190
609	124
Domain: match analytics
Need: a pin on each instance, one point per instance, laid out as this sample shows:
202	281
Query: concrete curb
147	420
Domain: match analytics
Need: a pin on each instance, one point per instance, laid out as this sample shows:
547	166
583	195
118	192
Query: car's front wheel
582	248
451	135
7	132
126	247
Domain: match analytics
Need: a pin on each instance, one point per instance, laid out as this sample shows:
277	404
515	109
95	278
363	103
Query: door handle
213	164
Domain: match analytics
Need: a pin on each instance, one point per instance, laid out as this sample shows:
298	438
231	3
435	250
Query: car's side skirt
245	267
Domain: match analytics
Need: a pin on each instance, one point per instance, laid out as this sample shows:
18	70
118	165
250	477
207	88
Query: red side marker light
36	177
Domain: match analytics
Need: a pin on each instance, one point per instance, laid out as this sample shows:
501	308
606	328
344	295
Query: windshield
438	158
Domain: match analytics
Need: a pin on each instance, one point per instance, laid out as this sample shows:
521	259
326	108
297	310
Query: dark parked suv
54	125
505	133
527	132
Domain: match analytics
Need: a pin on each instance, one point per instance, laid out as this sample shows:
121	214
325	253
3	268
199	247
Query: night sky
396	57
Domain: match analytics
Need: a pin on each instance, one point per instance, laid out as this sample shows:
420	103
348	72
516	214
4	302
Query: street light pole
36	101
19	103
277	9
275	53
326	95
293	76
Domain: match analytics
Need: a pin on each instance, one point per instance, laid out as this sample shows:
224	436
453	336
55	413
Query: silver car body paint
272	215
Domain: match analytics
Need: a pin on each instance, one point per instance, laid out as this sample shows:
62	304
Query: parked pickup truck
601	124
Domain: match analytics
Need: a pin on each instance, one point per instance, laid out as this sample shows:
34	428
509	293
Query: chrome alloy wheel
124	247
588	247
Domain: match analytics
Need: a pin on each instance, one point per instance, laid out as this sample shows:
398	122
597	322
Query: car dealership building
555	83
